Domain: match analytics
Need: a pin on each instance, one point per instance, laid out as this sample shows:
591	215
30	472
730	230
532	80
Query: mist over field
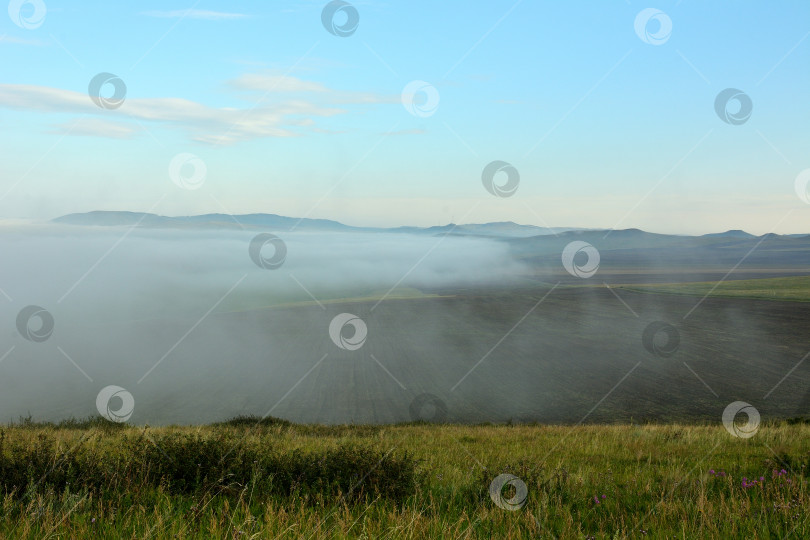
123	301
137	273
455	328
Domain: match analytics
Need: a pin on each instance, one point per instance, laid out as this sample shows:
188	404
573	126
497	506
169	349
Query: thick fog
195	330
166	326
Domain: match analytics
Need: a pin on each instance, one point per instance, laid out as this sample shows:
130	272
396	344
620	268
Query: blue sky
605	129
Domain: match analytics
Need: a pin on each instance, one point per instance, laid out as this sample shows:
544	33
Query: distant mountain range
736	233
273	222
664	257
502	229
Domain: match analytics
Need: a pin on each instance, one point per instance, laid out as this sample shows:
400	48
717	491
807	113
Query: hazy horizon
359	225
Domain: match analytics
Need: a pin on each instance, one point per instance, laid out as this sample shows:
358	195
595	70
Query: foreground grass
277	480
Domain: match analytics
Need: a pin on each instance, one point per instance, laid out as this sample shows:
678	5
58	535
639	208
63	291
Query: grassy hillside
795	288
278	480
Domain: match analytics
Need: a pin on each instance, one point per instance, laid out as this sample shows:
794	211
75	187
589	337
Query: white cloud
268	82
285	116
20	41
275	83
206	124
97	127
194	14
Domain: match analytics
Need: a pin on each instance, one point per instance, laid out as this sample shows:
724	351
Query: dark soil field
532	354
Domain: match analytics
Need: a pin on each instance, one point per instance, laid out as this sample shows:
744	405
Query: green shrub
190	463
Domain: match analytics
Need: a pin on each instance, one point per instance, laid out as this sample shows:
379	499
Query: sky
605	113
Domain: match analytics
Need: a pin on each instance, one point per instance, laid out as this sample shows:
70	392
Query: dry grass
651	481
